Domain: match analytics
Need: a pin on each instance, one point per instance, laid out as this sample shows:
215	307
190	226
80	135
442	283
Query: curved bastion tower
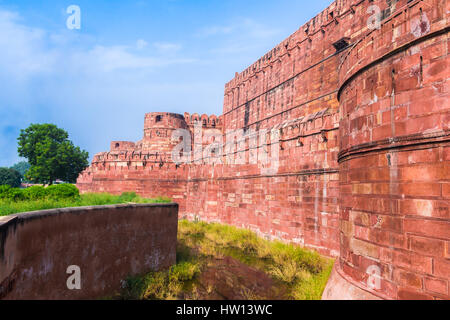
394	155
158	129
362	110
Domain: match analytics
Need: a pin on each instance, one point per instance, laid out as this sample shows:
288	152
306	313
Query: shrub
98	199
4	191
8	193
164	285
184	271
10	177
4	188
16	194
127	196
35	193
63	191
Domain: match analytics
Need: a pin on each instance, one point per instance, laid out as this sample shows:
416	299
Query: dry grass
302	271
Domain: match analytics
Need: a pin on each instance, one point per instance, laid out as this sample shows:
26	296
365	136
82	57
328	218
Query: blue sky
128	58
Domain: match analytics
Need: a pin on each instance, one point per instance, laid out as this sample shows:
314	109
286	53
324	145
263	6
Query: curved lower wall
341	287
107	243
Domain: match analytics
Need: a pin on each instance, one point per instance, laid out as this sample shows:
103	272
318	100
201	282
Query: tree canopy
51	154
22	167
10	177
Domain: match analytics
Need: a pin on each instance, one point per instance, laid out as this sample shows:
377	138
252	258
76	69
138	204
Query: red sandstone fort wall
363	149
394	158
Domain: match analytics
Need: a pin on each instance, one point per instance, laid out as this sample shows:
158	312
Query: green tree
22	167
10	177
51	154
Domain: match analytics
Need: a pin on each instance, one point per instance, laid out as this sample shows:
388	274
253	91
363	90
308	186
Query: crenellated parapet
207	122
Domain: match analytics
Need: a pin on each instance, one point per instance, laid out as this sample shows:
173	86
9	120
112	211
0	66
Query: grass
91	199
167	285
300	273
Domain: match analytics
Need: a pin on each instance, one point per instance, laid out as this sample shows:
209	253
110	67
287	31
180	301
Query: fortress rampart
363	173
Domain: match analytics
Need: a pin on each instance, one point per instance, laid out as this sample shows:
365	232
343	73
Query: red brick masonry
107	243
363	115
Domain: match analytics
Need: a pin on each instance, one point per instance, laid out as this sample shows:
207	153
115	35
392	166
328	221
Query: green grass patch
171	284
40	199
299	273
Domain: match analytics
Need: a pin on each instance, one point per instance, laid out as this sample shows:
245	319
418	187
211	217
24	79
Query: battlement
210	122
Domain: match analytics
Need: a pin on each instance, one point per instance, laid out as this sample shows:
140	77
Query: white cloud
24	51
108	59
86	88
141	44
33	51
167	47
215	30
243	38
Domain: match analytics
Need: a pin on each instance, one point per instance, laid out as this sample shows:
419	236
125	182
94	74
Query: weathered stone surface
107	243
364	149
